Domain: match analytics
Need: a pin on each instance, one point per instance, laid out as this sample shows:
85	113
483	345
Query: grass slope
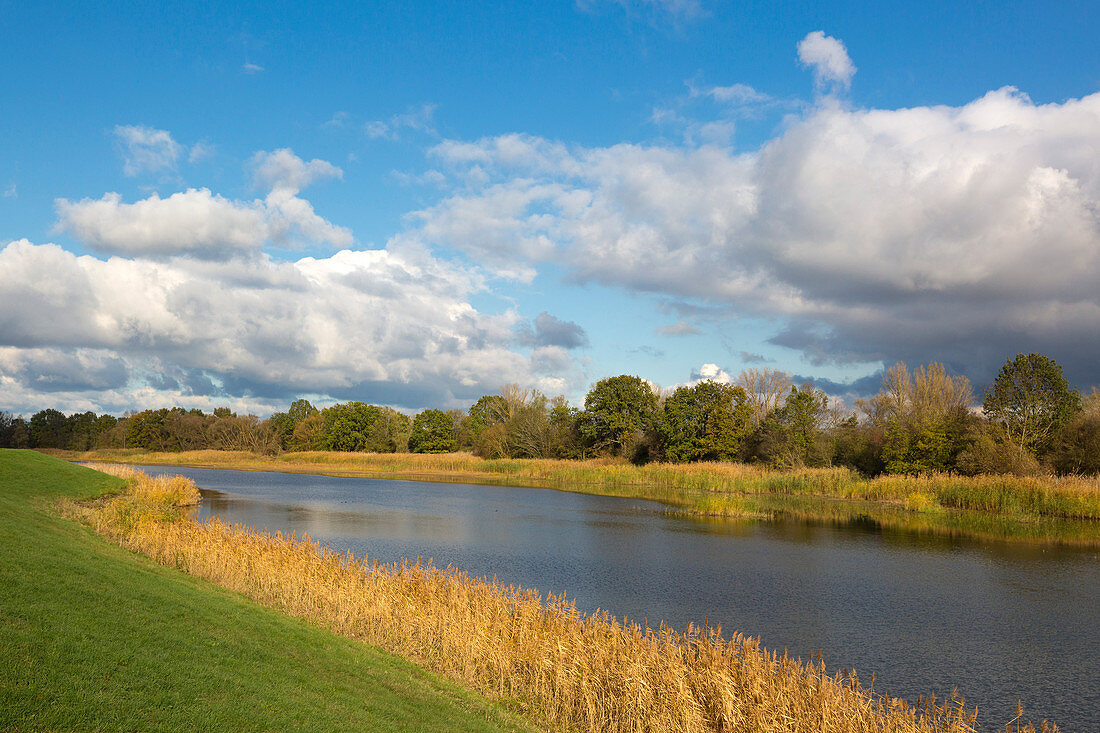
95	637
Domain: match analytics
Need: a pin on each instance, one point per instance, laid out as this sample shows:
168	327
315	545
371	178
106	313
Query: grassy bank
1039	509
93	637
572	672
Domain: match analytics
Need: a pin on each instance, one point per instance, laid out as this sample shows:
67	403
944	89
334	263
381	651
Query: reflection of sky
1002	622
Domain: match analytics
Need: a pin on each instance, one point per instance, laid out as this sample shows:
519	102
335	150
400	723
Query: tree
765	389
925	417
1032	399
301	409
433	431
705	422
791	436
50	429
617	411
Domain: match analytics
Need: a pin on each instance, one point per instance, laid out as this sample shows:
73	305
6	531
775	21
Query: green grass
93	637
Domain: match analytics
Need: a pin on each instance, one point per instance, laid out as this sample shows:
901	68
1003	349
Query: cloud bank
962	234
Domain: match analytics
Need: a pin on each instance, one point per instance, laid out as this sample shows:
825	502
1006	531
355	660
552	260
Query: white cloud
200	151
954	233
282	169
193	222
11	192
828	57
738	94
198	223
147	149
386	326
250	68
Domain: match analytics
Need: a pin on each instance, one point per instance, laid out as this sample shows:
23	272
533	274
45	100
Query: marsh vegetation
564	669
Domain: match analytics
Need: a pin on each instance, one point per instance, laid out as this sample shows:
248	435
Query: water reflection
921	612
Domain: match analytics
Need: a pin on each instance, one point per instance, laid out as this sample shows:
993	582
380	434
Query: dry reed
565	669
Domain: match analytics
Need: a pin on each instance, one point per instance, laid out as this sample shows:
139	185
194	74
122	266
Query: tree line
921	421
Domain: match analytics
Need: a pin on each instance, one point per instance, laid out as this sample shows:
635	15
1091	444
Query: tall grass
1047	509
565	669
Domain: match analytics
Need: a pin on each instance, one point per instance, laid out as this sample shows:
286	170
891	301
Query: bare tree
765	389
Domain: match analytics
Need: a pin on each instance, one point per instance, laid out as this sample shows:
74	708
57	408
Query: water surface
1000	621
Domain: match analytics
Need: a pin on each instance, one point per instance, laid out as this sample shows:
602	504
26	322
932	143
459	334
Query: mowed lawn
93	637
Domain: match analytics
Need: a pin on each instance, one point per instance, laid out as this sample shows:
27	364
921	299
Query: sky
414	204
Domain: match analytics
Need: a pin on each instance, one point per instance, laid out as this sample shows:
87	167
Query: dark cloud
59	371
750	358
862	387
551	331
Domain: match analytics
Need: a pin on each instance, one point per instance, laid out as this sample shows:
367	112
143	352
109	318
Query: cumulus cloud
147	149
962	234
198	223
193	222
828	58
391	326
552	331
282	169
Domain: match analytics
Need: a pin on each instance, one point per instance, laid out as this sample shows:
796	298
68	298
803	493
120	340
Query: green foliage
791	435
1032	399
357	426
146	430
992	452
433	431
1077	448
301	409
858	446
706	422
617	412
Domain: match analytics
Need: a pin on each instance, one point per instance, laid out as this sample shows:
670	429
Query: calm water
1001	622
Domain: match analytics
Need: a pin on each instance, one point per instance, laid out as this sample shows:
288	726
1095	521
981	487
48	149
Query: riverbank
1035	509
571	671
94	637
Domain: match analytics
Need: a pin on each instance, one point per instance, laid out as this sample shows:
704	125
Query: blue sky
415	204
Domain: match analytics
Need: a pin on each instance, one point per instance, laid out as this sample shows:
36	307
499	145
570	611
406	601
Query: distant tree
347	426
309	434
792	435
704	422
1077	447
1032	399
281	426
7	429
858	446
617	412
357	426
482	430
301	409
146	430
50	429
433	431
765	390
991	451
925	417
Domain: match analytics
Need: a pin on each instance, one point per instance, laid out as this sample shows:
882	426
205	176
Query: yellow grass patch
565	669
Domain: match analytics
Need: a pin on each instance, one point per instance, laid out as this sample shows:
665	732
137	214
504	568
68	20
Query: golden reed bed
564	669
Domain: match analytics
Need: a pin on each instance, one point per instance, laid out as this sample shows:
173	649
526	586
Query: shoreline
1003	509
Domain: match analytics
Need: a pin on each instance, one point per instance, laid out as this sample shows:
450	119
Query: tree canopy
1032	399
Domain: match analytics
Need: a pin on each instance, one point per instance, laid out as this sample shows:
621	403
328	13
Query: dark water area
1000	621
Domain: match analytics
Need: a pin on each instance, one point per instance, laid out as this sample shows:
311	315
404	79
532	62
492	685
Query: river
1000	621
